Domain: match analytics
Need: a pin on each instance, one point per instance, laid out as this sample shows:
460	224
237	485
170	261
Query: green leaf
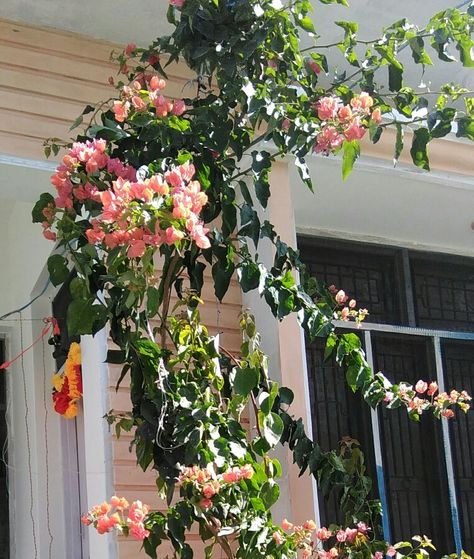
245	193
440	122
248	274
83	317
78	288
306	23
331	343
286	396
37	213
58	269
269	494
250	223
222	275
266	400
77	122
262	189
351	151
272	427
115	356
153	301
245	380
398	143
418	151
355	376
261	163
342	2
466	128
465	46
420	56
395	78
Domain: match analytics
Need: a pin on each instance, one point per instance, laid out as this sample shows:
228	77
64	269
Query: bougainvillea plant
154	190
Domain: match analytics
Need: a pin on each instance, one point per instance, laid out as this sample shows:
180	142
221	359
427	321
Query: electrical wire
28	445
46	448
26	305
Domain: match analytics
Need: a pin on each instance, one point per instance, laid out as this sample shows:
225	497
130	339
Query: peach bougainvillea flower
114	515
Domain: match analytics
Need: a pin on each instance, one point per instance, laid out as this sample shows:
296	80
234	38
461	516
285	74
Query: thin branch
252	395
167	297
359	42
221	540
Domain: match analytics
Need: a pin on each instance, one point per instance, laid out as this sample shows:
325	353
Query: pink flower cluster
88	157
162	209
143	94
348	309
301	537
114	515
208	484
173	198
423	397
343	122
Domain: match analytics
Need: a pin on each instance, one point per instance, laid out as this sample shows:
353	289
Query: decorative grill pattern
437	293
368	278
338	413
459	371
444	295
413	458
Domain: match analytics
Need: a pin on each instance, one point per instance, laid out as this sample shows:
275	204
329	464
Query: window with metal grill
338	413
421	325
368	277
444	292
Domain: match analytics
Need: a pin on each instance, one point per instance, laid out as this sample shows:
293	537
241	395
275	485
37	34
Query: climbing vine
154	190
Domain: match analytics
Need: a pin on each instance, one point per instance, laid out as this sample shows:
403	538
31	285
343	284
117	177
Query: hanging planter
67	385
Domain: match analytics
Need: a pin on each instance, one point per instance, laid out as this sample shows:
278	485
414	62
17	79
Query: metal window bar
453	501
407	330
378	448
436	336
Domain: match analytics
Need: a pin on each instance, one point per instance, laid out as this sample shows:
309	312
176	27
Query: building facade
399	240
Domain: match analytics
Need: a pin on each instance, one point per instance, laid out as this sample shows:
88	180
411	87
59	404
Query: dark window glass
413	455
4	505
444	293
337	413
459	372
368	277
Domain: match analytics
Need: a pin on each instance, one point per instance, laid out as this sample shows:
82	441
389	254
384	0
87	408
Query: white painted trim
97	437
26	162
365	163
453	500
407	330
309	422
378	446
370	164
380	165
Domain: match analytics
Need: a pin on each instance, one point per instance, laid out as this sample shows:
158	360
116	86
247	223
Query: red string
51	323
